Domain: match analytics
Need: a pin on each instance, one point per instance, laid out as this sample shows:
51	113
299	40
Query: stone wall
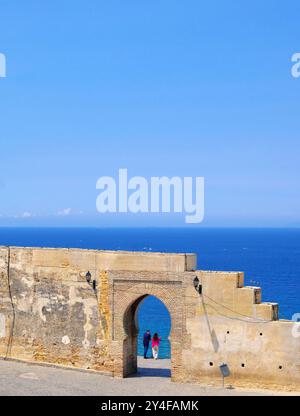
50	314
231	325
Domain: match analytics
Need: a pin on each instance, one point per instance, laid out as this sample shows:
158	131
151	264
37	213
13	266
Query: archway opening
147	313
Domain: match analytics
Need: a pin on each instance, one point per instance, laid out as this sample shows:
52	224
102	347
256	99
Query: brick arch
130	316
127	296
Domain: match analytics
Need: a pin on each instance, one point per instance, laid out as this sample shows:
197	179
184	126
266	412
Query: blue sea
270	259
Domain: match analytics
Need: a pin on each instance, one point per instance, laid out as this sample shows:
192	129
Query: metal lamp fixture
197	285
91	282
88	277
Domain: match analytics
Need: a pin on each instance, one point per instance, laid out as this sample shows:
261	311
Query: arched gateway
128	292
76	307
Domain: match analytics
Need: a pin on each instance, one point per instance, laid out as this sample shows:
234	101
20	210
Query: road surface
153	378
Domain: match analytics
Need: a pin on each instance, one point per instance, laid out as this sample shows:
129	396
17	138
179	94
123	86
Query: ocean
270	259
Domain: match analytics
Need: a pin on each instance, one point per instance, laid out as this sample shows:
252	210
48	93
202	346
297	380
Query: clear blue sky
161	88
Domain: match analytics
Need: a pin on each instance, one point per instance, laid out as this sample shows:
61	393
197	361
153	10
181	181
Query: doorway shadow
152	372
153	368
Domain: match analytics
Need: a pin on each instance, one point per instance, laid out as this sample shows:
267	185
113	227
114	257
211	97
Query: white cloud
64	212
27	214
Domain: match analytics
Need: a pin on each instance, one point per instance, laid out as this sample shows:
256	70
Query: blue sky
160	88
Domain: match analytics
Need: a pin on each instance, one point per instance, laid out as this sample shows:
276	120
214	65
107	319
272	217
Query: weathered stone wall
54	313
50	314
231	325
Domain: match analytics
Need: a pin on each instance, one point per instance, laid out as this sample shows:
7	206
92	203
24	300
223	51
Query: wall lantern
91	282
197	285
88	277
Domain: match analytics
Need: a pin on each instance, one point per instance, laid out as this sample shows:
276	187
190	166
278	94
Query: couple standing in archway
154	344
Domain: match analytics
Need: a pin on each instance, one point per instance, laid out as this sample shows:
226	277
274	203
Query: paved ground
153	378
